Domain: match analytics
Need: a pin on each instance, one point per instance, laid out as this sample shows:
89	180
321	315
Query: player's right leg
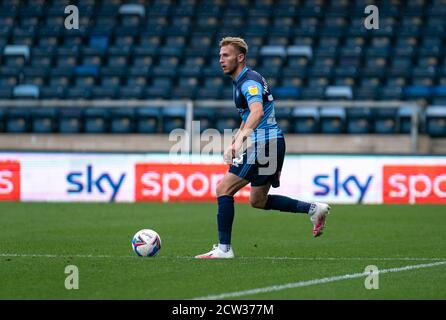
226	189
318	212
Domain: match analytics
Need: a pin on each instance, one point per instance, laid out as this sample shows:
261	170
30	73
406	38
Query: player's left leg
226	189
261	183
260	199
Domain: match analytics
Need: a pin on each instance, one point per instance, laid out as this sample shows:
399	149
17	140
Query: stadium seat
284	118
305	120
174	117
226	120
288	92
358	120
122	120
436	121
26	91
2	119
18	120
332	120
16	55
206	117
70	120
96	120
43	120
339	92
384	120
148	119
405	119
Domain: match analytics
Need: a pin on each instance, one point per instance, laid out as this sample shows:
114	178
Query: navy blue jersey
251	87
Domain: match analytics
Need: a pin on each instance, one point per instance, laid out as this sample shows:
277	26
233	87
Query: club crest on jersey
253	90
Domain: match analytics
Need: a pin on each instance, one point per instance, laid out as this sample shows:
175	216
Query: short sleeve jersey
250	87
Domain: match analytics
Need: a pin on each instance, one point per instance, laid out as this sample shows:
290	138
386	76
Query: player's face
229	59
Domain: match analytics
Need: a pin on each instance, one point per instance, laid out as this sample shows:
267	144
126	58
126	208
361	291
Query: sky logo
333	184
86	181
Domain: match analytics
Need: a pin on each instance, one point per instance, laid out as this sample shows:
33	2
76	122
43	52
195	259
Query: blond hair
237	42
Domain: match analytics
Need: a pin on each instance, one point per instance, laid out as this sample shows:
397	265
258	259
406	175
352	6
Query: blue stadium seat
148	119
174	117
332	120
439	91
226	119
405	119
206	116
305	120
284	118
122	120
43	120
436	121
358	120
70	120
384	120
287	92
18	120
96	120
2	119
26	91
413	92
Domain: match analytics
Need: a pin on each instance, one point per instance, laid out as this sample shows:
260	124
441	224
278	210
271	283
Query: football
146	243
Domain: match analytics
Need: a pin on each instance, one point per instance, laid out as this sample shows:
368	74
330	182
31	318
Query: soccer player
256	154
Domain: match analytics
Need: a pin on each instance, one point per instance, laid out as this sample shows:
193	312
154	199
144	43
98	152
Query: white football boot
318	213
216	253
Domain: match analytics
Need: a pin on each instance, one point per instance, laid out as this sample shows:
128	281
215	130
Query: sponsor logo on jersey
253	90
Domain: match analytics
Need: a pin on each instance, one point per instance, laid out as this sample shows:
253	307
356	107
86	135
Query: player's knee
222	190
258	203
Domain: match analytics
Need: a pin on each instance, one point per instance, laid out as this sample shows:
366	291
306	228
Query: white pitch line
314	282
91	256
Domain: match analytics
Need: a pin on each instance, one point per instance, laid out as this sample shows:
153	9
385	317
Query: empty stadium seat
25	91
436	121
284	118
70	120
122	120
18	120
96	120
358	120
43	120
405	119
225	119
305	120
385	120
174	117
332	120
206	118
2	119
148	119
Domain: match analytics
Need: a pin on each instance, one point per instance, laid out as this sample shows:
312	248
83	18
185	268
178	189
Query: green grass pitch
273	249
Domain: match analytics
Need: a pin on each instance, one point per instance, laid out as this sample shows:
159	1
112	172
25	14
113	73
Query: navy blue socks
225	217
283	203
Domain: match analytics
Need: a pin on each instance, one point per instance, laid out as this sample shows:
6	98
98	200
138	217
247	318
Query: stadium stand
167	49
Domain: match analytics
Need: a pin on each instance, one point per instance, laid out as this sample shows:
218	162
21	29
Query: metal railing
191	104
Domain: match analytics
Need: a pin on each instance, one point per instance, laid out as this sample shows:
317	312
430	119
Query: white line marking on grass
44	255
346	258
314	282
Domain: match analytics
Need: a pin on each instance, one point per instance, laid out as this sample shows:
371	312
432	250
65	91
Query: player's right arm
228	154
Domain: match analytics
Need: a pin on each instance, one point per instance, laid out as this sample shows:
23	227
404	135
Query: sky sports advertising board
156	177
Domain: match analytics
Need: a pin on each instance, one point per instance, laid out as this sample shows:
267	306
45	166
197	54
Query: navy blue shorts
261	163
